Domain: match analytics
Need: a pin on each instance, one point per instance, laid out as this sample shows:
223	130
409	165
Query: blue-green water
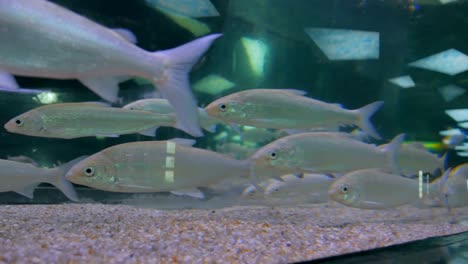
265	44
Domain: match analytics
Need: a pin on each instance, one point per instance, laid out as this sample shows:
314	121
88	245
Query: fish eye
222	107
131	108
88	171
344	188
19	122
273	155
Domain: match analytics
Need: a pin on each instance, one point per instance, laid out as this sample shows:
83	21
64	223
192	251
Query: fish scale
41	39
288	109
73	120
156	166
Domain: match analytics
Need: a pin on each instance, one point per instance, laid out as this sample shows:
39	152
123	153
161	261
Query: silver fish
23	178
162	107
454	187
310	186
288	109
321	152
41	39
376	189
155	166
73	120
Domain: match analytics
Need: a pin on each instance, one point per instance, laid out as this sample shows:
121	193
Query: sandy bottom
91	233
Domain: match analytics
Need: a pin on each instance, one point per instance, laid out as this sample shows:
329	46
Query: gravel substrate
97	233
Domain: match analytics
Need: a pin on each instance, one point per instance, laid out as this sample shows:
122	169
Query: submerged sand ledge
91	233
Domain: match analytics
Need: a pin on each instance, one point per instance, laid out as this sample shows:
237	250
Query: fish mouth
332	193
210	111
73	175
8	126
336	195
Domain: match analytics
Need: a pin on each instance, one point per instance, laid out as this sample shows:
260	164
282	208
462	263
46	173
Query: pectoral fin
8	81
106	87
126	34
149	132
190	192
28	190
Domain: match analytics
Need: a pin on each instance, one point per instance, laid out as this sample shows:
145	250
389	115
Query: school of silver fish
307	156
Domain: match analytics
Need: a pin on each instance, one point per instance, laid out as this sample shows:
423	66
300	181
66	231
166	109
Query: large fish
162	107
23	178
413	158
376	189
288	109
321	152
454	187
311	186
41	39
74	120
155	166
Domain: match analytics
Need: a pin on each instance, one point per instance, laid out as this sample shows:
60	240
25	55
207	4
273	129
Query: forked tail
392	149
57	178
174	85
365	114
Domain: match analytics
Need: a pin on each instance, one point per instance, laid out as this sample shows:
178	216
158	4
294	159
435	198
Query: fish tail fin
437	187
443	160
440	183
208	122
392	150
365	114
58	179
175	87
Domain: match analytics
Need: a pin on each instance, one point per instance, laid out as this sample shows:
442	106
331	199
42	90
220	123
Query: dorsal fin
184	141
103	104
126	34
22	159
293	91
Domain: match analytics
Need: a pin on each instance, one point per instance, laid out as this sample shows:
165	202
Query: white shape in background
463	124
213	84
433	2
450	62
46	98
451	132
462	154
256	52
195	27
342	44
462	147
403	81
453	141
458	115
447	1
191	8
450	92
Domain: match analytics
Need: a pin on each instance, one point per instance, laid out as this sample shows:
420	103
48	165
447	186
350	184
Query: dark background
293	62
